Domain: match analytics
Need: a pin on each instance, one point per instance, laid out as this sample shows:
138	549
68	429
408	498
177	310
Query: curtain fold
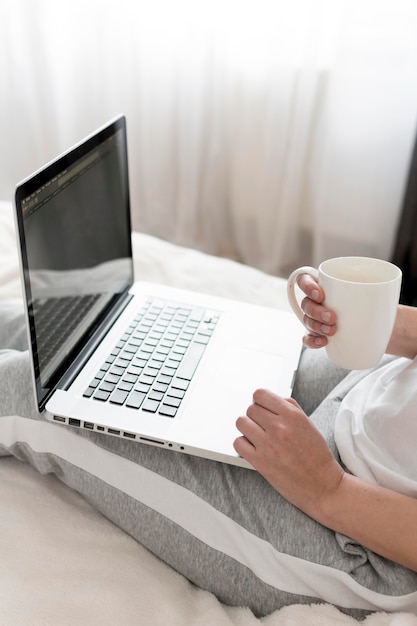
274	132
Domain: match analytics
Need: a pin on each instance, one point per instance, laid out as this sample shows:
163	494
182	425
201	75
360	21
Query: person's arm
380	519
403	340
286	448
321	322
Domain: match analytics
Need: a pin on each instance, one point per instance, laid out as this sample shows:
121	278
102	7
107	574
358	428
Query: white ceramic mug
364	294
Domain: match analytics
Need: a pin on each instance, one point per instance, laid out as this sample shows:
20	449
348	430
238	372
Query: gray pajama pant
223	527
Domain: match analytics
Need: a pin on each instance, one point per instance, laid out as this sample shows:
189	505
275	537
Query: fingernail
315	294
318	341
325	316
325	329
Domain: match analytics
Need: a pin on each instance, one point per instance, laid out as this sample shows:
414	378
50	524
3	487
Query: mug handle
292	281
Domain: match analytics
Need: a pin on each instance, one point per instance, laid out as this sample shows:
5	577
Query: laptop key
101	395
125	385
146	379
119	396
172	401
135	399
155	395
131	378
142	387
111	378
165	379
150	405
168	411
176	393
178	383
107	386
196	315
161	387
203	339
191	360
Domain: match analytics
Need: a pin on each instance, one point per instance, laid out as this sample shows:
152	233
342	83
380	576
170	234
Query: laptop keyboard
151	366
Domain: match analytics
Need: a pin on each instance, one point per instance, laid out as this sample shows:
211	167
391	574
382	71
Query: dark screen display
74	227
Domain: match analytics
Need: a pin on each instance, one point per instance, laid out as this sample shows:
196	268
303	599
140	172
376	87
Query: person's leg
16	386
13	333
315	379
223	527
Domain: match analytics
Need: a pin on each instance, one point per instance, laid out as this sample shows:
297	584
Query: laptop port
113	431
129	435
74	422
101	428
161	443
58	418
89	425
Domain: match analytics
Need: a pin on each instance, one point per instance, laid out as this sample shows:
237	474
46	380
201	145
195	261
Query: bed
61	562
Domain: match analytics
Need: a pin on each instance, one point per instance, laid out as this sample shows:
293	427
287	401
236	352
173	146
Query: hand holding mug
363	293
320	321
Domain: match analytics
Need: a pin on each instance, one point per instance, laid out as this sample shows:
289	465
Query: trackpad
245	369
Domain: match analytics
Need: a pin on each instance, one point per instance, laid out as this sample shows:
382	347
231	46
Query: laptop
146	362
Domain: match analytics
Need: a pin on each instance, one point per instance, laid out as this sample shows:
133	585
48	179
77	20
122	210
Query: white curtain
277	132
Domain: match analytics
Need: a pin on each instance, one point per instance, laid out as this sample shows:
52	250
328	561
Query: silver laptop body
150	363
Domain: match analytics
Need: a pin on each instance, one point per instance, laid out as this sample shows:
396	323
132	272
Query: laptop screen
74	226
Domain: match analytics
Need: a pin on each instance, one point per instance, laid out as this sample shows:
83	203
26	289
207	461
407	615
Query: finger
310	287
319	328
294	402
258	414
267	402
250	428
244	448
314	341
318	312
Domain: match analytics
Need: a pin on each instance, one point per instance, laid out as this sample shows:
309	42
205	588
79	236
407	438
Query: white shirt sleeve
376	427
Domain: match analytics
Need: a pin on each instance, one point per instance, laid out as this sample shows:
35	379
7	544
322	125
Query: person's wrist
329	506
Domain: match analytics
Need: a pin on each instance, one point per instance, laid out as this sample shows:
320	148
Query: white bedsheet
62	563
